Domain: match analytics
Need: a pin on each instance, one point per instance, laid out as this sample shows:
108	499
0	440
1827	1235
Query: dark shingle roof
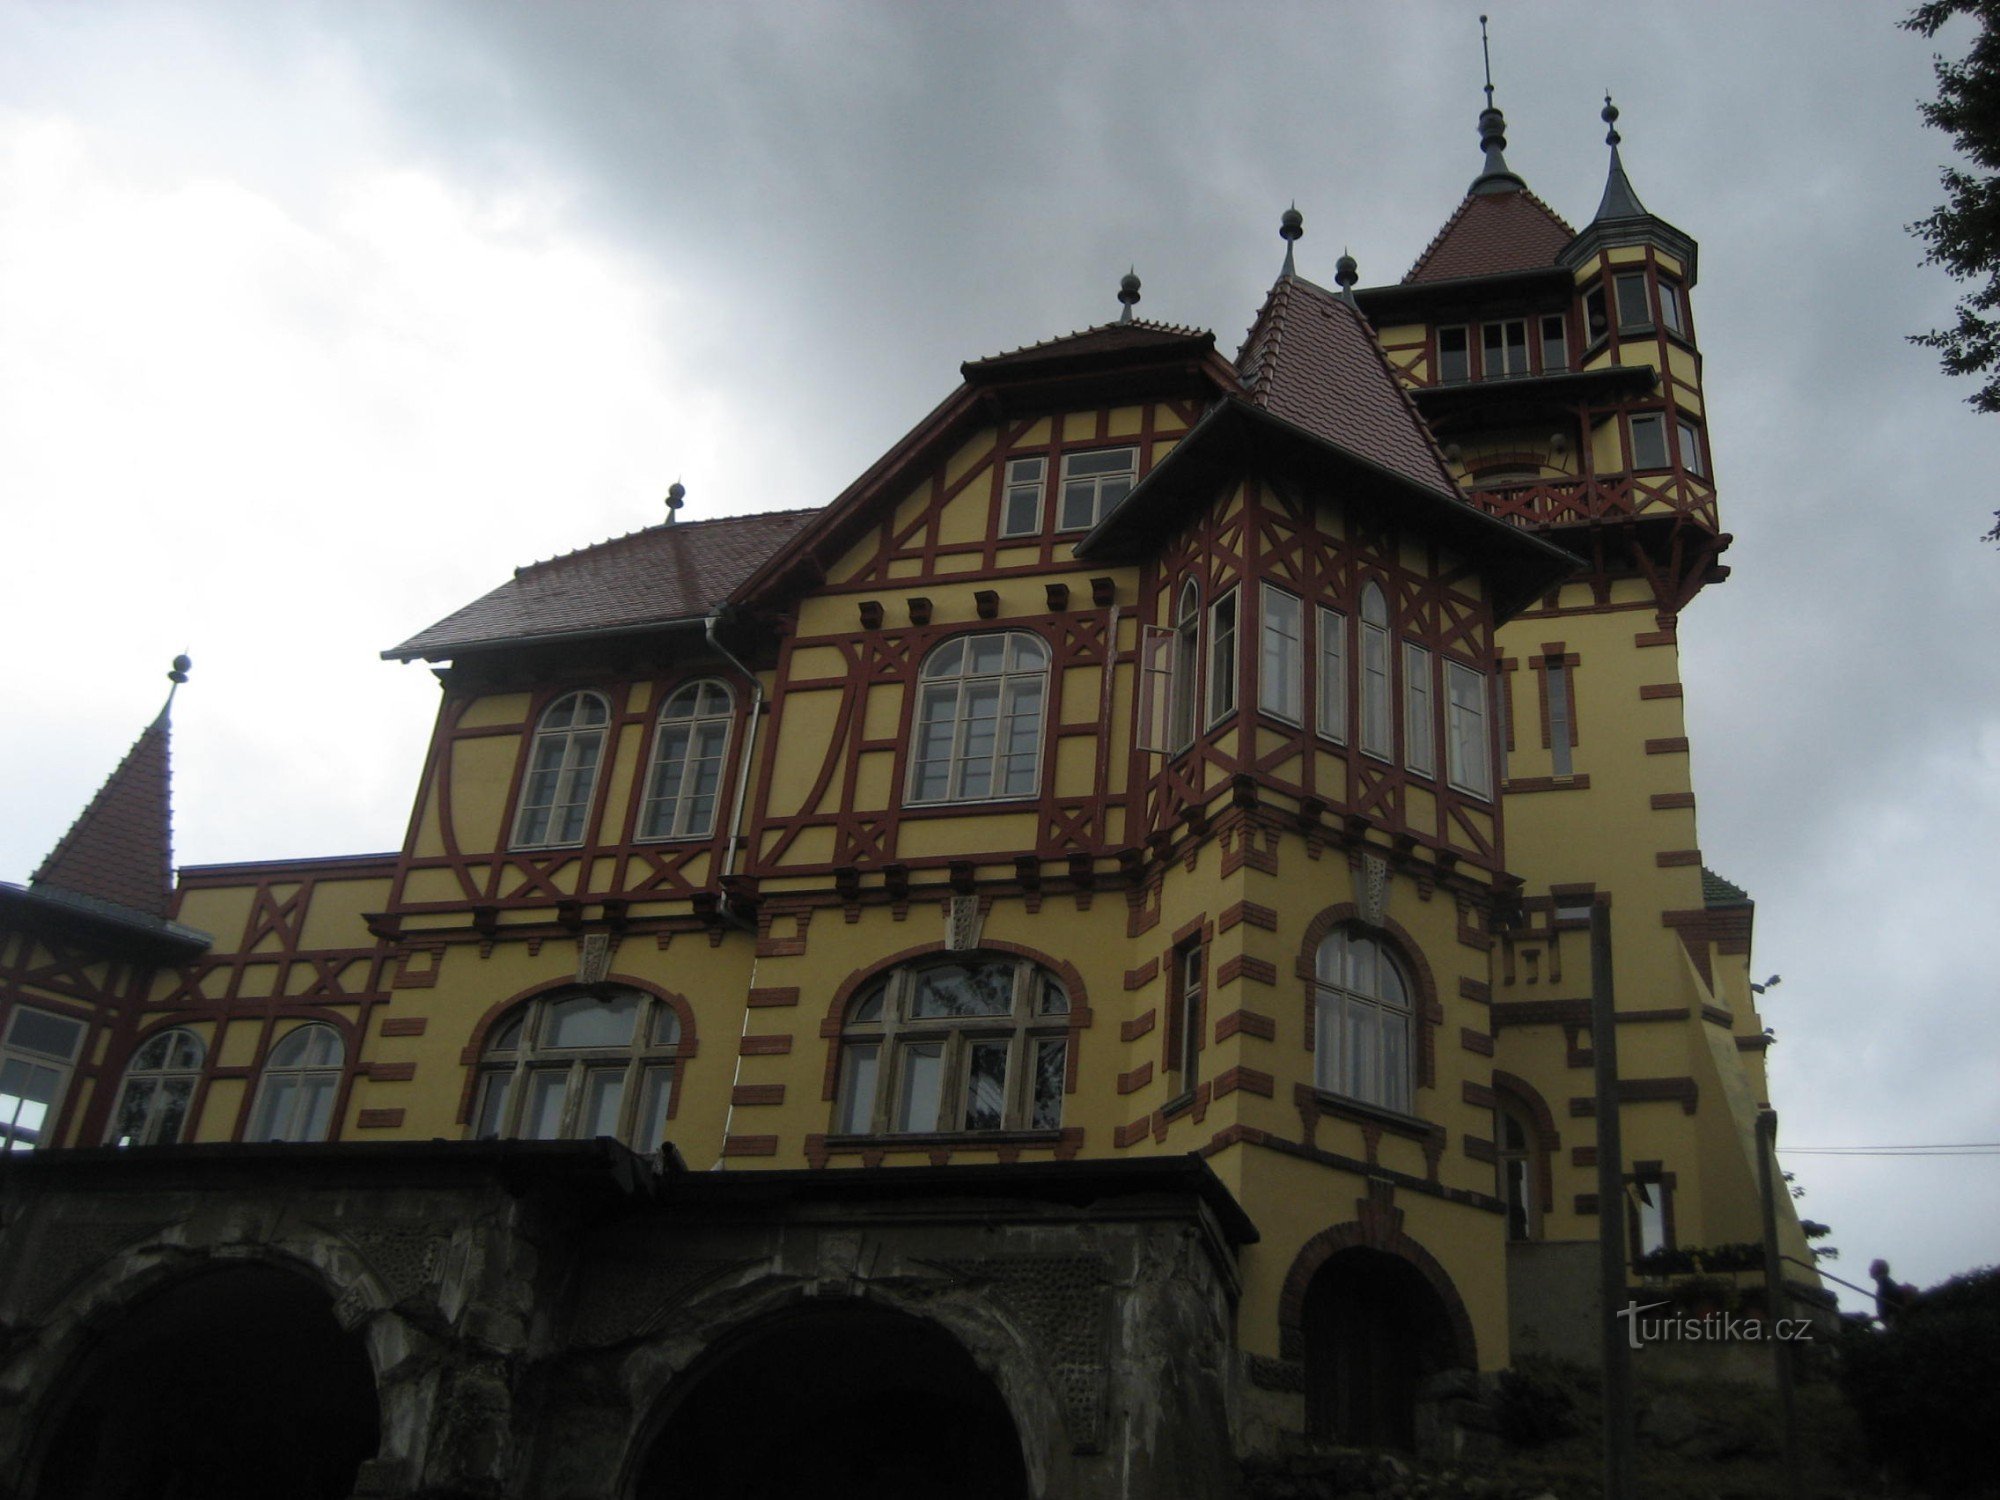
1493	233
1106	338
120	849
650	577
1312	359
1715	891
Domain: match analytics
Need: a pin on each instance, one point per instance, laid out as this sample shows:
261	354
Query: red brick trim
1145	974
1660	690
775	997
757	1093
379	1119
1480	1150
750	1145
1667	801
1683	1091
403	1025
1256	970
1540	1013
389	1072
1673	744
1132	1134
1475	1041
1138	1026
1249	1022
764	1046
1250	1080
1248	912
1668	859
1379	1228
1519	784
1138	1078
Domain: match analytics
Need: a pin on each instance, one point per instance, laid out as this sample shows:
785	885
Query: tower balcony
1544	504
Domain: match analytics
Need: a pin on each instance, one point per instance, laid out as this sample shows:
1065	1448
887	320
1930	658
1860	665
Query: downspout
729	857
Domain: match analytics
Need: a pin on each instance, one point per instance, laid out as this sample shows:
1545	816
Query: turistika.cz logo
1709	1328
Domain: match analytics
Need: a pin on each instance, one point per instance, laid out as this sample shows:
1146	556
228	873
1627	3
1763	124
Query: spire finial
1291	228
1128	293
676	497
1345	274
1619	201
1609	115
1494	177
1486	54
176	675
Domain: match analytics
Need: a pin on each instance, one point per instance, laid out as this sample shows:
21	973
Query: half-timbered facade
1090	924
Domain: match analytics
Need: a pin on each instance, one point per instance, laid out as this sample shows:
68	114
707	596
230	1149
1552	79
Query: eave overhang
104	926
1417	301
1645	229
1234	438
1534	391
457	651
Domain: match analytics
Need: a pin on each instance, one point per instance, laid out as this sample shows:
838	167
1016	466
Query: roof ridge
659	526
1270	320
1403	395
1181	330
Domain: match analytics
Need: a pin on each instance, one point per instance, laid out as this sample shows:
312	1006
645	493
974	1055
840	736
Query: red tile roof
649	577
1312	359
1493	233
121	847
1106	338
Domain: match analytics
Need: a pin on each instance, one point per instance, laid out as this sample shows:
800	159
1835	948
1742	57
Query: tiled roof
120	849
1312	359
1492	233
1106	338
648	577
1715	891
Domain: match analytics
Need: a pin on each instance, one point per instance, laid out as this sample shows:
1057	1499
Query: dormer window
692	739
1454	356
1504	349
1094	483
562	773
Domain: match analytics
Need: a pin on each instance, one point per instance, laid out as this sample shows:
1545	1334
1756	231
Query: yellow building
1056	970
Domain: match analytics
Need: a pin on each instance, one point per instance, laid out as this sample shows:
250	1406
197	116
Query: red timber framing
61	976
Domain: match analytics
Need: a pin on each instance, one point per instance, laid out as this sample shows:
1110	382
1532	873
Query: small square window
1649	441
1454	355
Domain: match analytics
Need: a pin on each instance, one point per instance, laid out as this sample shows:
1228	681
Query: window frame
565	771
311	1081
1337	999
516	1054
1184	680
692	724
1225	620
881	1022
1016	483
25	1059
1560	342
1464	333
1673	308
1621	282
1559	728
1654	422
1330	712
1376	695
1506	349
1188	1018
1467	735
1281	689
1419	712
156	1079
1099	483
1008	681
1687	436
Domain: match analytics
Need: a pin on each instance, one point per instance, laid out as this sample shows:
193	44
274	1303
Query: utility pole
1617	1353
1777	1305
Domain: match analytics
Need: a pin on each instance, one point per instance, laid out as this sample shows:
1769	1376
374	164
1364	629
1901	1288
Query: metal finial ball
180	671
1346	272
676	493
1291	224
1128	288
1609	115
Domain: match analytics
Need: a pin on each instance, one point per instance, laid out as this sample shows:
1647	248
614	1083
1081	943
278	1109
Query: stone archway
233	1383
835	1401
1374	1331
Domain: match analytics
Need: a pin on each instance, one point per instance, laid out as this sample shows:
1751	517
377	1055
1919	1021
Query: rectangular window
1648	1199
1280	683
1184	1045
1555	344
1454	355
1467	763
1594	320
1158	687
1556	672
1670	309
1649	441
922	1088
1376	734
1504	349
33	1071
1333	674
1222	657
1094	483
857	1095
1419	719
1691	458
1021	506
1633	311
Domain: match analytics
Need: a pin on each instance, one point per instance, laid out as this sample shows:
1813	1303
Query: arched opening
237	1384
837	1402
1375	1330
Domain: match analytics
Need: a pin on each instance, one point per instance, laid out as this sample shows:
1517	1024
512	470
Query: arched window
979	1042
979	719
159	1086
578	1064
1518	1155
562	770
301	1076
688	750
1363	1028
1376	731
1187	653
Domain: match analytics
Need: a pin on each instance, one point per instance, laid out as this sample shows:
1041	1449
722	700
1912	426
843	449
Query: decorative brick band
763	1046
1540	1013
1577	783
1666	801
771	998
1673	744
1256	970
1475	1041
1145	974
750	1145
1249	1022
379	1119
757	1093
391	1072
1250	1080
1480	1150
1654	638
1132	1134
1248	912
1478	991
1669	859
1660	690
1682	1091
1138	1026
404	1025
1138	1078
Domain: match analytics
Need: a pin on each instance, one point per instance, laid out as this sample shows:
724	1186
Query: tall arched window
301	1076
578	1064
979	719
1517	1156
688	751
1363	1021
159	1085
562	771
979	1042
1377	734
1187	655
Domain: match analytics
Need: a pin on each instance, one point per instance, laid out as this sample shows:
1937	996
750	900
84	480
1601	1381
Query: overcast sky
315	320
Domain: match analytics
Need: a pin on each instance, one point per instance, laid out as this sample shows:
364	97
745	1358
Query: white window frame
1281	633
894	1059
1468	760
696	715
299	1085
160	1063
35	1076
564	759
1185	685
1332	706
1365	1041
1225	617
1692	457
1377	726
1419	712
1098	489
1506	357
950	686
1027	482
523	1061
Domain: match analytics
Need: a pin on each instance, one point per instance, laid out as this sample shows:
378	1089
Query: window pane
490	1123
1691	448
37	1031
1632	309
1419	729
986	1085
130	1127
1021	511
656	1097
587	1021
666	1026
1280	689
1649	441
603	1092
1050	1056
1332	674
154	1053
922	1085
1222	657
1375	732
1078	504
1454	362
1055	1000
1555	348
1559	716
1395	1031
1670	307
952	990
1465	736
170	1111
316	1101
541	1120
857	1096
279	1102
